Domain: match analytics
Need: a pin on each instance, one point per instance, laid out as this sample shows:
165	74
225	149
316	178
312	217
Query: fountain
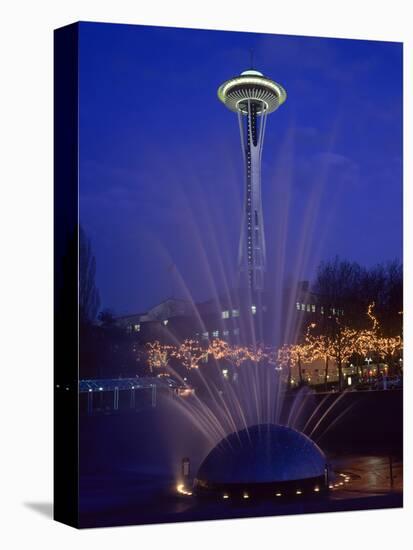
263	460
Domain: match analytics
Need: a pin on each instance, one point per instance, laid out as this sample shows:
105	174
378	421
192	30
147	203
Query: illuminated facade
252	96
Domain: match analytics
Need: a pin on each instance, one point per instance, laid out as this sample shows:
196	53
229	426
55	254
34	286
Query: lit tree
319	348
257	355
342	347
158	355
239	355
271	357
373	318
390	348
285	360
219	349
295	355
372	342
190	353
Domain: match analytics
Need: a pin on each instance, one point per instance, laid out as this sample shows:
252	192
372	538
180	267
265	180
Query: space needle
252	96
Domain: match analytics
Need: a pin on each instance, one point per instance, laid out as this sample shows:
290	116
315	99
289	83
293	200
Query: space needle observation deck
252	96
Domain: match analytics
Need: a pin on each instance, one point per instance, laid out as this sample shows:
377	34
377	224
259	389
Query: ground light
264	461
183	490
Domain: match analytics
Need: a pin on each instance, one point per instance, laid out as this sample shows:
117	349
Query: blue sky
161	173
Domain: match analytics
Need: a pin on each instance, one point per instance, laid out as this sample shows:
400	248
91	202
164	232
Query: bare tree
89	299
345	290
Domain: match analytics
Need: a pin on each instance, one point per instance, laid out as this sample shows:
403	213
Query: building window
298	306
322	310
308	307
302	307
225	314
165	322
253	310
225	333
236	331
313	308
137	327
215	334
205	335
235	312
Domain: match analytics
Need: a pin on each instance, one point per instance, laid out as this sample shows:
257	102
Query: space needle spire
252	96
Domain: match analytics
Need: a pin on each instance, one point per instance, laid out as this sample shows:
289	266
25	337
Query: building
232	317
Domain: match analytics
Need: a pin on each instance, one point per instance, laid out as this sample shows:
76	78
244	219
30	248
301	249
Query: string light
339	347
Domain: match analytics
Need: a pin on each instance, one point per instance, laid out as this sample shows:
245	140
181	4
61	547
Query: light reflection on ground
370	475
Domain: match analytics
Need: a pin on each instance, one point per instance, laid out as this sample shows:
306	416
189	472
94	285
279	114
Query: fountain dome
260	459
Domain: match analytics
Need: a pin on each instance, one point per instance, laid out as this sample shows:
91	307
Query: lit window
322	310
236	331
205	335
308	307
302	307
298	306
225	333
215	334
225	314
165	322
253	310
313	308
137	327
235	312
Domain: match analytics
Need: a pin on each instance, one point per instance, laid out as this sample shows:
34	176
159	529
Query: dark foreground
130	467
154	499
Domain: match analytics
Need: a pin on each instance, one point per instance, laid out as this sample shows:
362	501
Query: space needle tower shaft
252	96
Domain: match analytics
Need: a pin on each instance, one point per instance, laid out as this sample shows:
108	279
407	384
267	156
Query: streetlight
368	360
